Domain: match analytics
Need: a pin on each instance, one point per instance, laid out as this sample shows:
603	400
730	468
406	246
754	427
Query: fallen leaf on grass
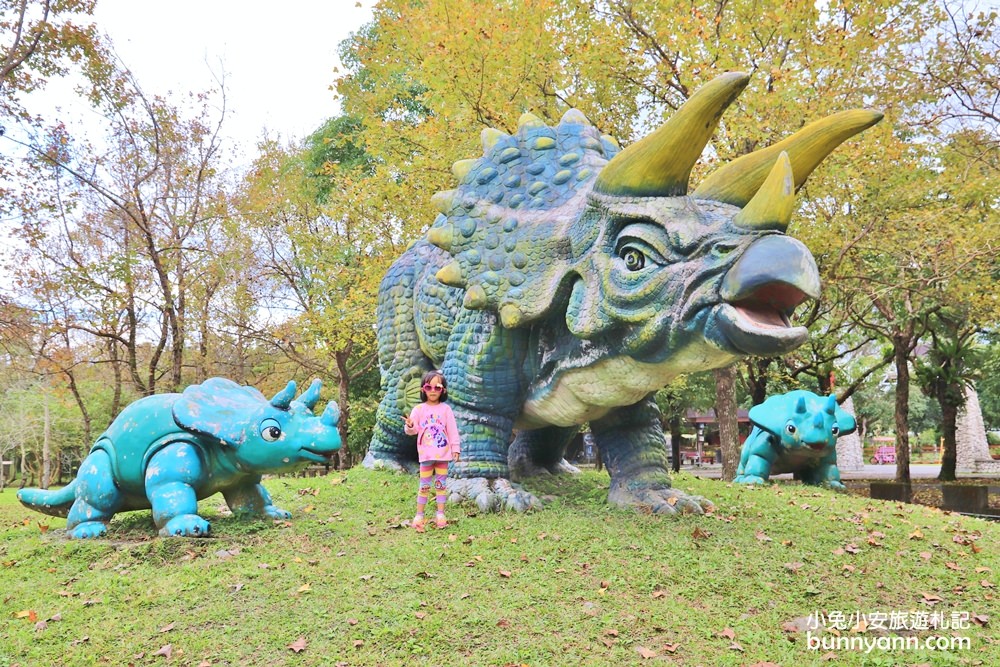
659	594
503	623
645	653
794	567
762	536
420	615
304	588
671	648
765	664
29	614
987	584
981	619
828	656
926	555
931	599
504	573
167	628
352	621
204	663
916	535
728	633
358	643
43	527
166	651
952	566
41	625
298	645
81	640
735	646
700	534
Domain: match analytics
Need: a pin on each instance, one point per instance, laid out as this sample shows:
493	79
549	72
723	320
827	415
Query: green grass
577	583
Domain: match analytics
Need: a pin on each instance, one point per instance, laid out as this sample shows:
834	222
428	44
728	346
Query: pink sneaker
440	521
418	523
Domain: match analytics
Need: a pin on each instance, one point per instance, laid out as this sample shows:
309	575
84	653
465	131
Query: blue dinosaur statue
795	432
566	281
168	451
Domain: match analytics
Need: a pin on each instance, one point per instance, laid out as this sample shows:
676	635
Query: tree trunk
341	357
725	413
675	442
46	443
901	358
949	421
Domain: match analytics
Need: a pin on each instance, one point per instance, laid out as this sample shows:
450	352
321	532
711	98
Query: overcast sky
278	56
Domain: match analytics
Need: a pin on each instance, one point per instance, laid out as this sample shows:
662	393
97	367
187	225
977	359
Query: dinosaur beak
760	292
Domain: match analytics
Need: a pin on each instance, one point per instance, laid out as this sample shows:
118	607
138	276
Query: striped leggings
439	471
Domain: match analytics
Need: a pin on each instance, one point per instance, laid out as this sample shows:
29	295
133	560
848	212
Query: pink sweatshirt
436	431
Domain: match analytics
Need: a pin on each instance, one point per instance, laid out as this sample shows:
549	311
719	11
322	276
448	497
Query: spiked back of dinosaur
524	216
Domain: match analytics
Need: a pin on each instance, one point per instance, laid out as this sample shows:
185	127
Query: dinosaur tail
53	503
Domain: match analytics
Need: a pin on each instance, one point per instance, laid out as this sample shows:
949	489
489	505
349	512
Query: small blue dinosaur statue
168	451
795	432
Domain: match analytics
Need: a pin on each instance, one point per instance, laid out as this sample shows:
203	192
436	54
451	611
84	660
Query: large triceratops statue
565	282
168	451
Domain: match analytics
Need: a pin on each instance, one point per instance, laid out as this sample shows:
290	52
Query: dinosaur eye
634	259
270	430
835	429
790	428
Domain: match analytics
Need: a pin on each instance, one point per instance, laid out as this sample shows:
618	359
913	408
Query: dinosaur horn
774	203
818	420
737	182
800	405
331	415
660	163
831	404
284	397
310	396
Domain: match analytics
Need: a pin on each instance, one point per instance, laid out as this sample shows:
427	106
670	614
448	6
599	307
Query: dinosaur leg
540	452
634	451
402	363
482	366
171	477
826	473
251	498
97	497
757	458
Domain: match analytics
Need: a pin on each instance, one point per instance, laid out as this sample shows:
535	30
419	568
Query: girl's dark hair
430	375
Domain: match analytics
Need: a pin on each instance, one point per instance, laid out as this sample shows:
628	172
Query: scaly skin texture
166	452
795	432
564	282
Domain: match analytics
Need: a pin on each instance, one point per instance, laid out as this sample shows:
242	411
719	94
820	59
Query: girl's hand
454	457
408	421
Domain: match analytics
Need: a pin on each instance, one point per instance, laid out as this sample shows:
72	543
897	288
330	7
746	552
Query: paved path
917	471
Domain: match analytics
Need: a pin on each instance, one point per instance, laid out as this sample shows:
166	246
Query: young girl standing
433	423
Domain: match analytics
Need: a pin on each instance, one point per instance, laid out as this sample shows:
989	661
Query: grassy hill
346	582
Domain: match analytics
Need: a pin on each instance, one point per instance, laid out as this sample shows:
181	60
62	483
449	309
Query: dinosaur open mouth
760	292
318	456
